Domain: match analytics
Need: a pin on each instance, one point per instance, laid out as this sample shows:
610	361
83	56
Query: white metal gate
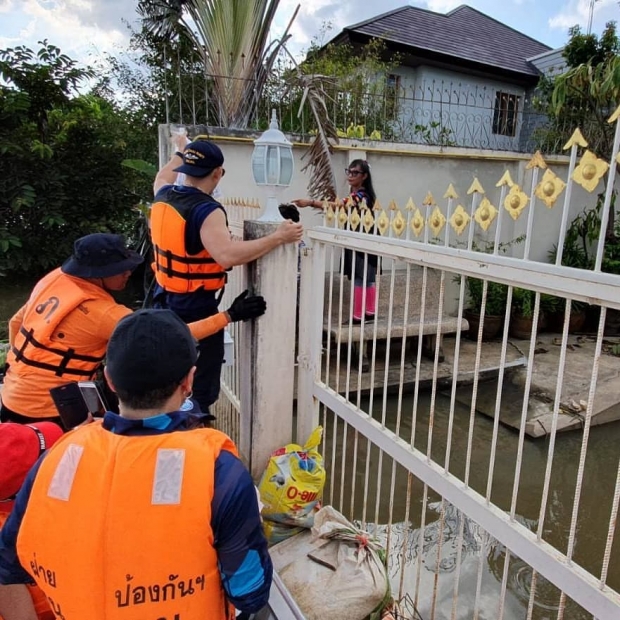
406	451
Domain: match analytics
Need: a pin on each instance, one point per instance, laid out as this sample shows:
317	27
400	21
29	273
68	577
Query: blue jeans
371	273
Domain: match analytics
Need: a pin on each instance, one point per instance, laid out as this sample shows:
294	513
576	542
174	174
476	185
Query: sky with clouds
84	29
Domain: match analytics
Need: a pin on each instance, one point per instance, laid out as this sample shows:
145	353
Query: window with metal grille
505	114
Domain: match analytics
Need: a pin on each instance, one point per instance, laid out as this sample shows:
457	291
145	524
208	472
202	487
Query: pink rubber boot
371	302
358	297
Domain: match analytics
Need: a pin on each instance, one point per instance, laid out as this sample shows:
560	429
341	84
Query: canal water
350	490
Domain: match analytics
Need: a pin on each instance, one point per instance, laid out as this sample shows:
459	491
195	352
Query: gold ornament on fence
550	188
589	171
515	202
429	200
505	180
475	187
383	222
378	206
615	116
436	221
417	223
410	206
399	224
537	161
393	206
342	217
354	220
363	205
330	216
577	138
459	220
485	214
451	192
368	220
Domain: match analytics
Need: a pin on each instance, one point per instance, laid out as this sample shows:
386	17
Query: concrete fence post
267	406
310	343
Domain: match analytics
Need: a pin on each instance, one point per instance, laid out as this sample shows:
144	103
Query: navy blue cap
201	158
149	349
101	255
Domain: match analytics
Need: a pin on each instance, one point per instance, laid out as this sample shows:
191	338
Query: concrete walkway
539	418
575	389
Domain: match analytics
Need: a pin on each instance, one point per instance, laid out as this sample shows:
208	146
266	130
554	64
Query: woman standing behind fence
364	276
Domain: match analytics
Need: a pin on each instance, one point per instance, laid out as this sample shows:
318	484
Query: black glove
289	211
244	308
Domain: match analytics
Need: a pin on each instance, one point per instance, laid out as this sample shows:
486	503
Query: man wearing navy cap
194	250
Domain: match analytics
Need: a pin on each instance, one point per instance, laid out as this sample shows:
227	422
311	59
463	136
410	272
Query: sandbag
334	571
291	487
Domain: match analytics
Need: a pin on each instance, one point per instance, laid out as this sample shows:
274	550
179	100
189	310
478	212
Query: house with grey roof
464	78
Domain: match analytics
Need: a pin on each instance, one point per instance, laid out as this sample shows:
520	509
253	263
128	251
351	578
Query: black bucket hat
101	255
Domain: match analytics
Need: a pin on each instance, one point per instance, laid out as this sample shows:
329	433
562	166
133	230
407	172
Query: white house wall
462	104
550	63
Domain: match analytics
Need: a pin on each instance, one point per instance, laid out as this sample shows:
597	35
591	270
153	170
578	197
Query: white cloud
78	27
576	12
6	6
443	6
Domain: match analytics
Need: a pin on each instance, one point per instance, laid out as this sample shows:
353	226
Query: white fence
480	520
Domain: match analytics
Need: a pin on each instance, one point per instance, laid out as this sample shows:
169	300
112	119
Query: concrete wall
403	171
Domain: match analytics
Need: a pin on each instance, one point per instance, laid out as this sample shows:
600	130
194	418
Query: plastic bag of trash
292	486
336	571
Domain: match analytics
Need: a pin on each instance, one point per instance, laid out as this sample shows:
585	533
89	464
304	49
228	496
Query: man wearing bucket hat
139	515
20	447
61	333
194	249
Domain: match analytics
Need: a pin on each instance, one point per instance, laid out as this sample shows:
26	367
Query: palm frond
322	184
232	37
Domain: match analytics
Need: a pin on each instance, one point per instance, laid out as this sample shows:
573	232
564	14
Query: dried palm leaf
322	185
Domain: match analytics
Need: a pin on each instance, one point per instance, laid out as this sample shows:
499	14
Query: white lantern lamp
272	167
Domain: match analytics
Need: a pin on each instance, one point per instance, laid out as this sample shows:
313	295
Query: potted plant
522	313
494	309
555	316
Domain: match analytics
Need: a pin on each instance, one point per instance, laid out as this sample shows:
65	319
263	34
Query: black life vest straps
170	272
66	355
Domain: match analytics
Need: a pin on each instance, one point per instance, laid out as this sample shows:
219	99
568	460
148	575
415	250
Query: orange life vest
52	299
119	527
176	271
41	606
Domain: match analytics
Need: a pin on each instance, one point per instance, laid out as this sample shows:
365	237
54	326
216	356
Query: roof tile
463	33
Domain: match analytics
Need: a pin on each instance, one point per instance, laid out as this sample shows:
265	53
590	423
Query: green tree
586	94
157	79
60	156
232	38
355	83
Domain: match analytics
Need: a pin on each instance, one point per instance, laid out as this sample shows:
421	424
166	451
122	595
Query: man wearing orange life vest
193	249
61	333
20	446
140	515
